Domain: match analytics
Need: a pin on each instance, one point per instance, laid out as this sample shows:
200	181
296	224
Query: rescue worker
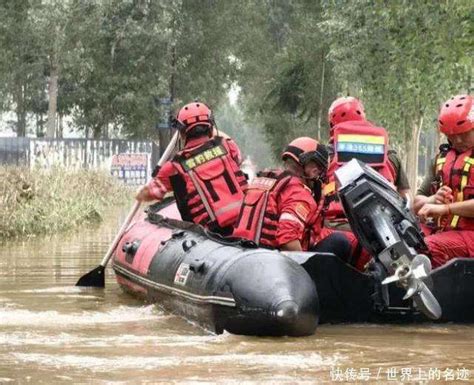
279	209
353	136
205	176
447	192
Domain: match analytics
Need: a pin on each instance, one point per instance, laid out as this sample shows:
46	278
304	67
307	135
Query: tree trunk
96	131
403	147
438	139
321	93
41	125
20	110
412	156
60	127
53	99
105	131
164	135
39	131
428	155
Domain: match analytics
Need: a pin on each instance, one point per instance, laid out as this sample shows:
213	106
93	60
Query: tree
21	73
402	58
49	22
286	75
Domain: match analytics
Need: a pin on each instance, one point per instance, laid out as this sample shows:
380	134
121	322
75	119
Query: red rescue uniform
454	236
206	180
360	140
278	208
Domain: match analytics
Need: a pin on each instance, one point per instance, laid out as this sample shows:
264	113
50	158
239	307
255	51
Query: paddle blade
94	278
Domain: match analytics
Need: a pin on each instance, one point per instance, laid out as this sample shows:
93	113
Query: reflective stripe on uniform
230	206
468	162
202	195
291	218
440	161
329	188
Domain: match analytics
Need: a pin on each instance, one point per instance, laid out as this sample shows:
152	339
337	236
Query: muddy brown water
52	333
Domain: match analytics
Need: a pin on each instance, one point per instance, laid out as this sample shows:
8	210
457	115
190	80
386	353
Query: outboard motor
387	229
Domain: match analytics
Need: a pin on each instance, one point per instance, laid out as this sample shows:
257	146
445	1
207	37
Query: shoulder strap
441	157
182	155
274	174
217	140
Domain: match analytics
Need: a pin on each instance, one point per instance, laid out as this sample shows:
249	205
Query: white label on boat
182	274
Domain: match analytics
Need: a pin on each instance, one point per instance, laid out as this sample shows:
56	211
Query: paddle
96	277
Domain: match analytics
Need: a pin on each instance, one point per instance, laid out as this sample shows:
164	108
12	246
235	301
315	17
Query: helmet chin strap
311	182
315	179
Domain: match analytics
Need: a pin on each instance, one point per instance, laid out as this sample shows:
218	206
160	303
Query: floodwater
53	333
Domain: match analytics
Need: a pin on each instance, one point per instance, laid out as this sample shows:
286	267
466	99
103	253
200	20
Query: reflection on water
52	332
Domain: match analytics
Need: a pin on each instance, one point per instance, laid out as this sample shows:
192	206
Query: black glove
155	171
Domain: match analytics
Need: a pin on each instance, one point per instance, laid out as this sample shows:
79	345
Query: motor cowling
388	230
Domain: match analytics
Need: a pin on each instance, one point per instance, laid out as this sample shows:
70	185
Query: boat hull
219	285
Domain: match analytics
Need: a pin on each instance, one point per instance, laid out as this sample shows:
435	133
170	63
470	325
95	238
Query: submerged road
53	333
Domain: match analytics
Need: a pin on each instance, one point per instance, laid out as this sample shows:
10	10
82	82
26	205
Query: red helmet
456	115
345	109
193	114
305	149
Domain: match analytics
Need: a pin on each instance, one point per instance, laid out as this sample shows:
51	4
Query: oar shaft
169	150
166	155
117	238
95	277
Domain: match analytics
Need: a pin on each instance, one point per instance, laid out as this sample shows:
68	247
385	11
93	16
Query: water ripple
129	340
102	364
21	317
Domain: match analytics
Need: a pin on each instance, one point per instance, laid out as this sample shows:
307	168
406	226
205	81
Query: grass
36	202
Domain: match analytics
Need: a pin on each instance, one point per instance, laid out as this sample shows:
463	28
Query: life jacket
259	214
209	185
455	170
360	140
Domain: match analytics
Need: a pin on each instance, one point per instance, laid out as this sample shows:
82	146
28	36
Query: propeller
411	277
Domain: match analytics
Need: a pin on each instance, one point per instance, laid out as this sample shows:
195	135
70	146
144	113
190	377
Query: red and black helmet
456	115
345	109
191	115
304	150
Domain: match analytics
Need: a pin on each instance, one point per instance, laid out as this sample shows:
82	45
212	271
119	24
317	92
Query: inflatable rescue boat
230	284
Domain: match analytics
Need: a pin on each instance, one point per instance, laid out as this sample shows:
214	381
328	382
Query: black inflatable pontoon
219	284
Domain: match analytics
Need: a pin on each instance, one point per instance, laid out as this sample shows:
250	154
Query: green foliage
116	58
286	78
403	58
20	63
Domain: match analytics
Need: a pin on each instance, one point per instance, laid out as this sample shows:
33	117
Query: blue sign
165	107
360	148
